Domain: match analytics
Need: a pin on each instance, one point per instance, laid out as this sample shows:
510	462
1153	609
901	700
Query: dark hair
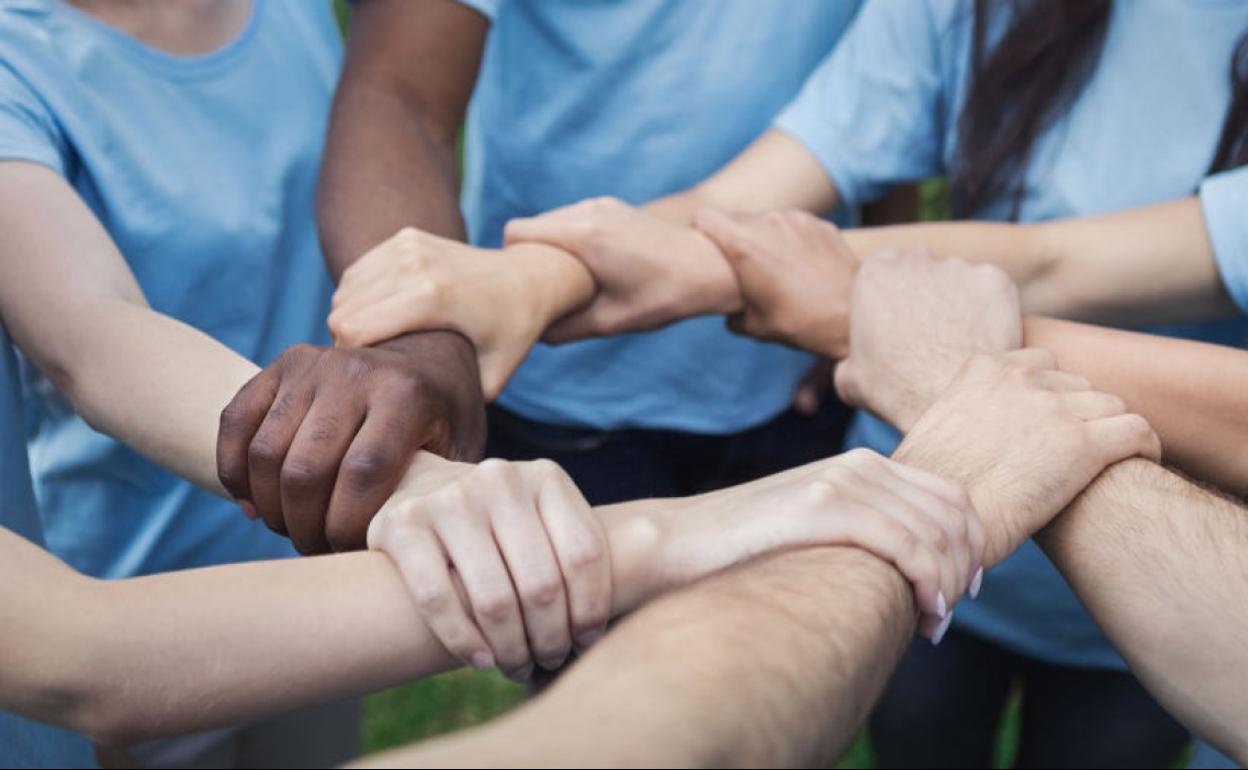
1030	79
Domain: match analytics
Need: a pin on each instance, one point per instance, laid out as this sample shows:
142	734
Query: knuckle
266	451
585	552
495	608
346	534
301	474
368	467
432	599
544	591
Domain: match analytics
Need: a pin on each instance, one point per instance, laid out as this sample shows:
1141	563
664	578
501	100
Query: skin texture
776	255
1190	391
317	441
914	321
772	683
417	390
501	300
793	650
1159	562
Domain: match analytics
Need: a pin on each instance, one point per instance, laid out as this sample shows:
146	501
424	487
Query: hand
917	521
794	270
417	281
914	321
649	272
317	441
505	561
814	388
1025	439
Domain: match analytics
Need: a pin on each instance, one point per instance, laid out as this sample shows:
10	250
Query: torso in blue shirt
202	169
636	99
24	743
1143	132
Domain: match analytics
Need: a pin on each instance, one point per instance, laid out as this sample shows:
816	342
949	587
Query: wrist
717	291
553	282
634	540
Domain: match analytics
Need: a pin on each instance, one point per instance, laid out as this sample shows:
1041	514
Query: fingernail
942	607
588	638
249	510
553	664
977	583
482	661
522	674
941	629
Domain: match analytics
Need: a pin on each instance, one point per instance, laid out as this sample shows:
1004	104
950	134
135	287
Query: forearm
1017	249
1163	566
776	172
776	663
1191	392
148	657
384	169
154	384
1149	265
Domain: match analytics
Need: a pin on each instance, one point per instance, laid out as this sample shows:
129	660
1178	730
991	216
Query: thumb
846	382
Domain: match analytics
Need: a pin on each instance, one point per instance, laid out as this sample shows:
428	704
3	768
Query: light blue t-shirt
24	743
883	108
203	170
636	99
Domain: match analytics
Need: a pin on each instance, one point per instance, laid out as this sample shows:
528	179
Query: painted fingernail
482	661
589	638
249	510
942	607
977	583
942	629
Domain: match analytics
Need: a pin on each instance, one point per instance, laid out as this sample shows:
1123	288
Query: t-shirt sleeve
1224	200
872	111
487	8
28	131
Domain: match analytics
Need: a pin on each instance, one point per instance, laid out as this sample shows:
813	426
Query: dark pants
614	466
944	705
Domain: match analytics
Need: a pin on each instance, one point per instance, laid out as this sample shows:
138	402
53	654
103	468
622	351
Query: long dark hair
1030	79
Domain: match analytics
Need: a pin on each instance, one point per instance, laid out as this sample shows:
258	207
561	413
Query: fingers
372	466
398	313
580	546
531	561
1092	404
730	233
310	469
1030	358
423	564
567	227
814	386
269	448
239	422
1123	436
475	554
912	509
888	539
952	509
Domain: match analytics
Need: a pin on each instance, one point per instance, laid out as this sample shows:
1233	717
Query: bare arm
130	660
774	664
1163	566
1151	265
72	304
1191	392
775	172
